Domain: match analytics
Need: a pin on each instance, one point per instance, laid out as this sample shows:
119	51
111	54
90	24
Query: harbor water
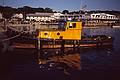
95	63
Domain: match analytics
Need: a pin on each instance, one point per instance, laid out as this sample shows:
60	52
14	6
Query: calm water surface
103	58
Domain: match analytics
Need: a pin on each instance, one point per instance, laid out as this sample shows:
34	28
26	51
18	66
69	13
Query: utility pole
80	12
81	5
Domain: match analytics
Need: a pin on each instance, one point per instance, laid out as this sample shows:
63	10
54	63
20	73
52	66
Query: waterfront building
103	16
18	16
43	16
90	19
56	16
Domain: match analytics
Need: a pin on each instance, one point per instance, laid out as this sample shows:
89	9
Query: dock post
62	46
39	50
78	45
53	43
39	43
74	44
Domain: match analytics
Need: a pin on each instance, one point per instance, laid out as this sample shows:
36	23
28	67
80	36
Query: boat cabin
70	30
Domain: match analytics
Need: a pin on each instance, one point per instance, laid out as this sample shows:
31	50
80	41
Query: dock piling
62	46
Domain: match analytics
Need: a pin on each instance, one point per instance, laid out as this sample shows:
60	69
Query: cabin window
72	25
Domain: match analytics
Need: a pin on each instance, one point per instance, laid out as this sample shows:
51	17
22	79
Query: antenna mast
81	5
80	12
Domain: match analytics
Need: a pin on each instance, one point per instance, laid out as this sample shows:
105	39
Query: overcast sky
60	5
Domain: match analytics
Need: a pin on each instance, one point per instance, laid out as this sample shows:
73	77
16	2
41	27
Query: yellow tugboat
68	34
71	30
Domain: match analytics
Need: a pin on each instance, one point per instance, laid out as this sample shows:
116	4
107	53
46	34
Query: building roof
40	15
105	14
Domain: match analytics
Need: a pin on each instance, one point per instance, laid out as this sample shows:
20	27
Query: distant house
43	16
18	16
57	15
102	16
40	16
1	16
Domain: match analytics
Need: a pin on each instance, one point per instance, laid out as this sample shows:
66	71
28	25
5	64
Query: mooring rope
10	38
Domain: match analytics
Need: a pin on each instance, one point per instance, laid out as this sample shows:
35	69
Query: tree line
7	11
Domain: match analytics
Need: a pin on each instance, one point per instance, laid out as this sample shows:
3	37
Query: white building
18	16
57	15
40	16
43	16
1	16
102	16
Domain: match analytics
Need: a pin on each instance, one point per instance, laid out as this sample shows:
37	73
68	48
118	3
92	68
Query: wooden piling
62	47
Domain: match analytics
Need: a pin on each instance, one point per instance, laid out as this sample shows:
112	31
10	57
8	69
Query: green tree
8	12
48	10
65	12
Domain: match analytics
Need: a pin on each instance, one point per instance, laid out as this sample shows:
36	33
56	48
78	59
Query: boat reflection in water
54	59
85	58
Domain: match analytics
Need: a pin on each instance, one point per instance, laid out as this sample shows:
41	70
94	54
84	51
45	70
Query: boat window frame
73	25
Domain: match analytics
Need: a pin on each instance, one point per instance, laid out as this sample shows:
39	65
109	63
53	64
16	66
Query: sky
60	5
